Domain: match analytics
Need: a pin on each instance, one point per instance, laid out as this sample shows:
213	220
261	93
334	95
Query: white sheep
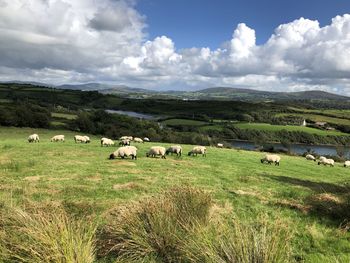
106	142
198	150
138	140
322	158
124	142
130	138
174	149
146	139
57	138
325	161
33	138
310	157
220	145
155	151
271	158
87	138
79	138
347	164
124	151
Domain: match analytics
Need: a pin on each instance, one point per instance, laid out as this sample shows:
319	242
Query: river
136	114
295	148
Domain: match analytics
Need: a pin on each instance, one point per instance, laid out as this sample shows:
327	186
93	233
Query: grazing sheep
79	138
325	161
347	164
57	138
220	145
198	150
87	139
271	158
155	151
146	139
130	138
124	151
124	142
310	157
33	138
174	149
138	140
322	158
106	142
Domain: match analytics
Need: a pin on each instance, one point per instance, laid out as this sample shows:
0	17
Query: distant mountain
225	93
103	88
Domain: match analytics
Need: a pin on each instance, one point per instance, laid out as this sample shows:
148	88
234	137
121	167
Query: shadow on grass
329	201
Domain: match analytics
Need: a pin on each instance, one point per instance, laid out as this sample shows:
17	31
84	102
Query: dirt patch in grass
249	192
94	178
126	186
58	179
327	197
32	178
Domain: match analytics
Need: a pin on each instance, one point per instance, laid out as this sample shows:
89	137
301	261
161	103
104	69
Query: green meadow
271	127
313	200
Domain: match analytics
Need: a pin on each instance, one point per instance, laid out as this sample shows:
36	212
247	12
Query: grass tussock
154	228
45	235
177	226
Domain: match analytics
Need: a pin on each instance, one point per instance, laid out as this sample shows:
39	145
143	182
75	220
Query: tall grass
45	235
154	228
176	227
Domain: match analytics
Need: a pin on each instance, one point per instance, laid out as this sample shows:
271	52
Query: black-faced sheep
124	142
123	152
326	162
33	138
347	164
310	157
174	149
156	151
271	158
57	138
198	150
107	142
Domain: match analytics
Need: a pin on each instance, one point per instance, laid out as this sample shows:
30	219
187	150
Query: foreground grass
85	182
270	127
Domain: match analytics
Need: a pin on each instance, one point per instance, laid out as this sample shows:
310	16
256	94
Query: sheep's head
111	156
262	160
189	153
147	154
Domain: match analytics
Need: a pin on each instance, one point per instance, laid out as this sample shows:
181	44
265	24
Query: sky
184	45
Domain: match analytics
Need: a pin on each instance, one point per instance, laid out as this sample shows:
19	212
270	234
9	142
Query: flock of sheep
126	150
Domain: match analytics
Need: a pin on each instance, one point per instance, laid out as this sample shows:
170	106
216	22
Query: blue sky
183	45
196	23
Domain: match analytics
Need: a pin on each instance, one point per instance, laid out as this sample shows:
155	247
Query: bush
45	235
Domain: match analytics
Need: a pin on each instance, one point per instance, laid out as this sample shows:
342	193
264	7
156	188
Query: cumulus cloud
60	41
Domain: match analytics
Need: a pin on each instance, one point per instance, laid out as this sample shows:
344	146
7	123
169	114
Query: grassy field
184	122
270	127
310	198
316	117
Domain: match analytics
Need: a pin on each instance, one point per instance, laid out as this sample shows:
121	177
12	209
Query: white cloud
60	41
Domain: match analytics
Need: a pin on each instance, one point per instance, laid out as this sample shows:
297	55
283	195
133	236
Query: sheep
271	158
79	138
124	151
130	138
325	161
33	138
174	149
138	140
322	158
124	142
198	150
310	157
146	139
220	145
106	142
156	150
87	138
347	164
57	138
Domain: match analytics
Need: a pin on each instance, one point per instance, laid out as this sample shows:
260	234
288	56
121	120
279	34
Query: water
135	114
295	148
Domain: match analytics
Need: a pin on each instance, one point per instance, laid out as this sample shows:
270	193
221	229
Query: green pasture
81	177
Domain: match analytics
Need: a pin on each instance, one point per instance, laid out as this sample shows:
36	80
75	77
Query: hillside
85	182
